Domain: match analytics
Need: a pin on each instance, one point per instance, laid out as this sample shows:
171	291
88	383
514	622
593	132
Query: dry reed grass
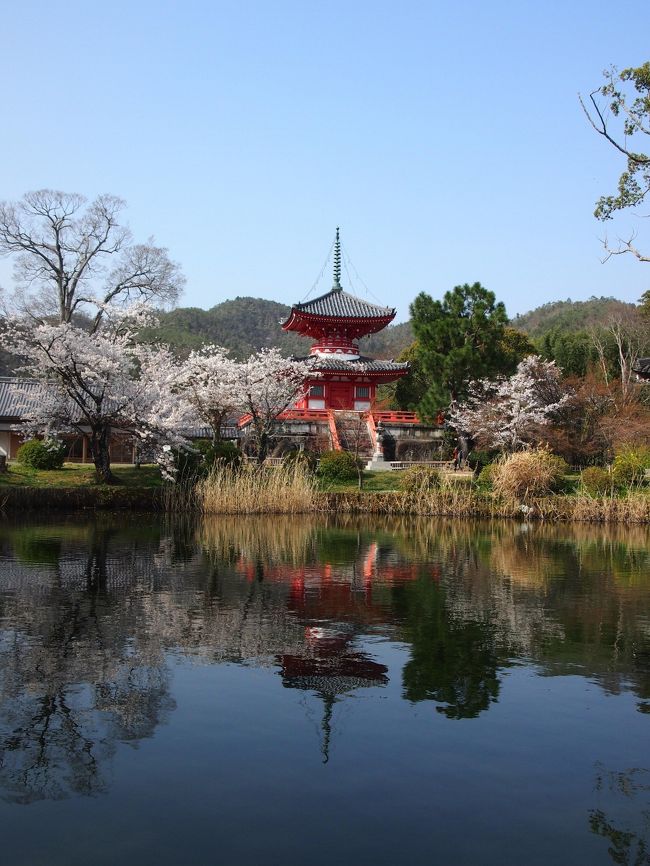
466	502
527	475
292	490
253	489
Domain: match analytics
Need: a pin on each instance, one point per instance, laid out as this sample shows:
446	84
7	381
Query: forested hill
569	316
245	325
242	325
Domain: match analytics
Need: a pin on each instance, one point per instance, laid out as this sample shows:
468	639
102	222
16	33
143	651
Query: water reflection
627	826
93	612
333	668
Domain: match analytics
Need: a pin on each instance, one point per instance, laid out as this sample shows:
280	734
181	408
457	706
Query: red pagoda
336	321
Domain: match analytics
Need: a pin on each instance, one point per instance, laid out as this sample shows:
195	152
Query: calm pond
288	691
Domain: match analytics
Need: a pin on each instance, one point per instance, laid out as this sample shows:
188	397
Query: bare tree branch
70	254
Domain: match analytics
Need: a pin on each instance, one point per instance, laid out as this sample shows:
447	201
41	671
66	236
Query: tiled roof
332	364
15	394
339	304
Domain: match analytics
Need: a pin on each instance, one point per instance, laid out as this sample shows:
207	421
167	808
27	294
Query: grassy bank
75	487
289	490
634	508
77	475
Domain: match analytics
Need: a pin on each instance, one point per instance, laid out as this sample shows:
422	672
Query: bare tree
619	345
72	257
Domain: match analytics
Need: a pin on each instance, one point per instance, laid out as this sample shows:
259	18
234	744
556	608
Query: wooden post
84	448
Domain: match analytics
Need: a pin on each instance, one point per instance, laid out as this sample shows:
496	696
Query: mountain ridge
245	324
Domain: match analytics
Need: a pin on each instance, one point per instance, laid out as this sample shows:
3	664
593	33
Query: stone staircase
353	435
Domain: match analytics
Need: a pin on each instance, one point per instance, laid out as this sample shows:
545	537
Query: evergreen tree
460	339
645	304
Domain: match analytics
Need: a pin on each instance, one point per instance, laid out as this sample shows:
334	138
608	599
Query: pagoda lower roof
337	305
360	366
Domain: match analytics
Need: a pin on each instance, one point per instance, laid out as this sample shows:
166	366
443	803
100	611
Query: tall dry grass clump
425	490
634	507
254	489
527	475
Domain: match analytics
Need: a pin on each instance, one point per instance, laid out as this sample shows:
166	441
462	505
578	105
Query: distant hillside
242	325
569	316
245	325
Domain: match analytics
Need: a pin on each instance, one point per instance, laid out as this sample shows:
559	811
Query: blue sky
446	139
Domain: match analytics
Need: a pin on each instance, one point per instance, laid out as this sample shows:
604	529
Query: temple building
336	321
340	407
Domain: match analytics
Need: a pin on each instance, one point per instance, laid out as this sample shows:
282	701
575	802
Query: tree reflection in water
454	662
628	845
76	675
90	608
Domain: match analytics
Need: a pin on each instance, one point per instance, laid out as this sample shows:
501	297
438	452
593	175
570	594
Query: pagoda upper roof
338	304
337	312
362	365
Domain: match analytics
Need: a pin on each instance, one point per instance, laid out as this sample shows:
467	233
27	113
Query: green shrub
223	452
42	454
596	481
419	479
187	463
202	456
479	460
338	466
486	476
528	474
629	466
306	459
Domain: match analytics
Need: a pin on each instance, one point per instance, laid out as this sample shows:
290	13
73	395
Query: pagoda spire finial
337	262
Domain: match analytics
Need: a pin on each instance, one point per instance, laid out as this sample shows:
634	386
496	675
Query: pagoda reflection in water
92	610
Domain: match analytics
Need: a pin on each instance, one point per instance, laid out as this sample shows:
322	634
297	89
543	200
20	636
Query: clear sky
446	139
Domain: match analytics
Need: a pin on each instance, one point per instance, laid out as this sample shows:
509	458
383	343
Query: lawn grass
379	482
75	475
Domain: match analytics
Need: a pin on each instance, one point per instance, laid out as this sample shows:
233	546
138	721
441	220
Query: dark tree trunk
99	448
263	447
215	423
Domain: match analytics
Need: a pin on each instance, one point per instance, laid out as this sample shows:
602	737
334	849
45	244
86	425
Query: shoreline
633	509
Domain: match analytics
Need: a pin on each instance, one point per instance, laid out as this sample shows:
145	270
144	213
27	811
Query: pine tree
460	339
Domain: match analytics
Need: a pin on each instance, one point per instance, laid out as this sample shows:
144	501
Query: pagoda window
362	392
316	399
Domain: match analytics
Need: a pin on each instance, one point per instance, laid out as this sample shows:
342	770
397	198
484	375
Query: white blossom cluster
105	381
504	413
102	381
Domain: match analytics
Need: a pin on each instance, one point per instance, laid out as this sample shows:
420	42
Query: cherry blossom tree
98	382
73	258
212	384
269	384
505	413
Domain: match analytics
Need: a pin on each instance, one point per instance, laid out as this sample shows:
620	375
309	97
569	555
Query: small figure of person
456	456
